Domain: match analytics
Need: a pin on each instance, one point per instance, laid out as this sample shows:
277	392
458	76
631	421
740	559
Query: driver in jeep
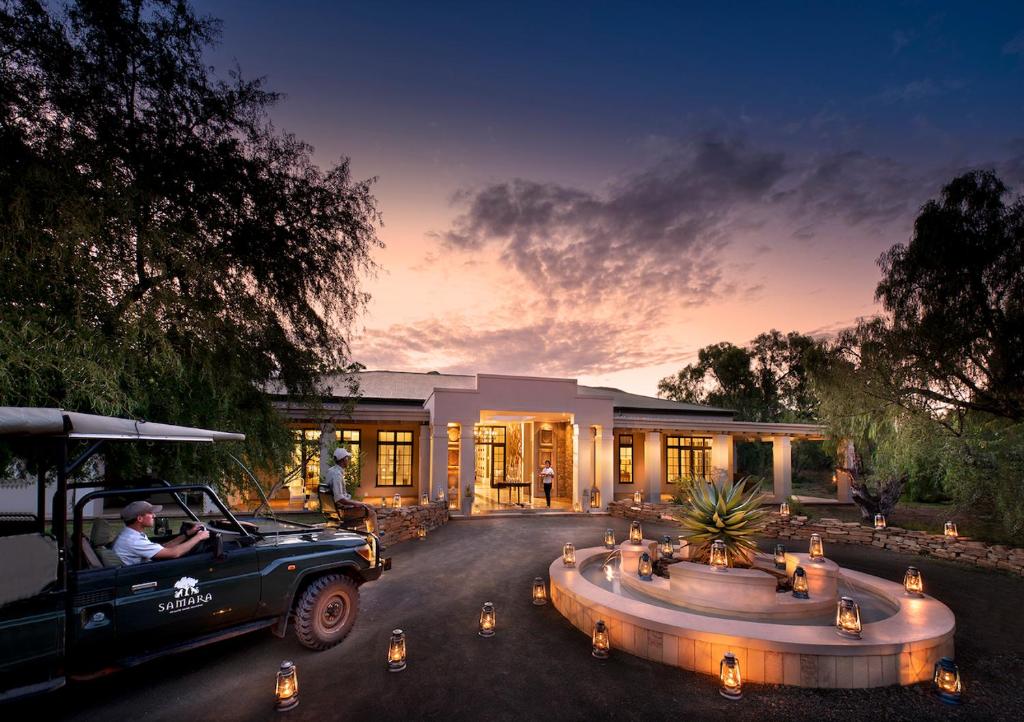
133	546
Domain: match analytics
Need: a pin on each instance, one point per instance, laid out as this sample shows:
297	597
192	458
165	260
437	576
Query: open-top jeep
70	608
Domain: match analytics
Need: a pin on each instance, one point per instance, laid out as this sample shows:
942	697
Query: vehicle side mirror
218	546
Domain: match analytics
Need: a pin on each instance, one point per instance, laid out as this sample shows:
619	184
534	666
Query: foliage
165	253
727	511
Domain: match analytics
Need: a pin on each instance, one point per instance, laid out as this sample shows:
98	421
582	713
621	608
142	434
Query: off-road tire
326	611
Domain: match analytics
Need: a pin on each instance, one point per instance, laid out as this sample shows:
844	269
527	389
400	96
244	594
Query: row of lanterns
948	529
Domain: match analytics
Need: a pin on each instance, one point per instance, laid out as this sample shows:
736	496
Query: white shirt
547	474
133	546
336	480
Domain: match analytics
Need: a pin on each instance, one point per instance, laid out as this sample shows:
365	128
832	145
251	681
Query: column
424	464
782	467
652	465
438	459
604	454
577	453
467	466
722	460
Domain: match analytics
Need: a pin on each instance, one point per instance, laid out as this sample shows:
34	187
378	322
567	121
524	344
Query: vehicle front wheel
326	611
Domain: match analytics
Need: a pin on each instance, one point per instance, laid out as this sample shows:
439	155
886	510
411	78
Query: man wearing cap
335	478
133	546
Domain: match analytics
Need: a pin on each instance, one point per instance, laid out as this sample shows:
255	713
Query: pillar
604	455
467	466
424	464
577	454
438	459
652	466
782	467
723	465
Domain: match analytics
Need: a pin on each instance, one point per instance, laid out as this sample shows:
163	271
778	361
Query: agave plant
727	511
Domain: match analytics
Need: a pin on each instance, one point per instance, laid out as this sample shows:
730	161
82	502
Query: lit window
394	458
306	459
625	458
687	458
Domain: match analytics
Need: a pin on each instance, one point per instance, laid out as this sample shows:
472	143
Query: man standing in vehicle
132	545
335	478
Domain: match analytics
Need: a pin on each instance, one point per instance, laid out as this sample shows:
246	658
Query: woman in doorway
547	475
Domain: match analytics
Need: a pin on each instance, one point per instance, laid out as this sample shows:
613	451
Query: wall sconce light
784	510
638	497
815	550
421	533
425	501
540	596
879	521
719	560
487	621
800	584
780	556
644	569
848	618
665	548
286	691
729	675
595	498
600	643
396	651
398	500
636	534
609	538
950	529
947	681
569	555
912	582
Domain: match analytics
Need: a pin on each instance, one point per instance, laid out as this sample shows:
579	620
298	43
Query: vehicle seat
345	517
101	537
88	553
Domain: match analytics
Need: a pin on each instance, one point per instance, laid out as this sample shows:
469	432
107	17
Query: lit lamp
638	497
487	620
421	533
729	674
636	534
947	681
912	582
816	551
540	597
800	584
609	538
576	506
601	645
784	510
383	502
396	651
425	500
665	548
780	556
879	521
644	570
719	556
440	496
847	618
398	500
286	691
569	555
595	498
950	529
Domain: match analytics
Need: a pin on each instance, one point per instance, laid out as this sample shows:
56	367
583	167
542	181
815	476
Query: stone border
402	524
833	531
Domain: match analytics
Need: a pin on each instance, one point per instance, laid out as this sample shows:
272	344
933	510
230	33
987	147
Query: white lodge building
481	441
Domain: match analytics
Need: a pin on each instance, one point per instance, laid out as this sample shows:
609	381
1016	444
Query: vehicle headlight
368	551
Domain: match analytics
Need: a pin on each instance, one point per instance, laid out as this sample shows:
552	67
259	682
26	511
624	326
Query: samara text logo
186	596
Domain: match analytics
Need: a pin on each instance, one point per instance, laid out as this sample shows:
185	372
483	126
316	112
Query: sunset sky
597	190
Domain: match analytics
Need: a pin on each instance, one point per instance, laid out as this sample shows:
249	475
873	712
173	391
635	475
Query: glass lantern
540	596
577	507
665	548
487	621
780	556
784	510
398	500
595	498
638	497
636	534
421	533
947	681
912	582
383	502
286	691
425	501
719	559
730	677
644	568
816	550
879	521
440	496
800	590
949	529
396	651
609	538
569	555
848	618
600	642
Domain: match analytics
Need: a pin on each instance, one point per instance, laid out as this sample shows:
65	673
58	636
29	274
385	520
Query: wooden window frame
394	459
632	459
688	450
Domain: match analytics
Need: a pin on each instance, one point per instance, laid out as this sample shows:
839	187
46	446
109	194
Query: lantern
729	674
425	501
600	643
569	555
784	510
665	548
780	556
286	691
487	620
398	500
421	533
576	506
540	596
950	529
816	551
644	569
636	534
383	502
638	497
719	556
800	584
595	498
396	651
609	538
947	681
440	495
879	521
848	618
912	582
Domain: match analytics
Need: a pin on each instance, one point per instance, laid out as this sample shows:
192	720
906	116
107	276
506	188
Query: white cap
341	453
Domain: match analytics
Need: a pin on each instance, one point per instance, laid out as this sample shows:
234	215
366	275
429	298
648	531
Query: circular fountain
698	613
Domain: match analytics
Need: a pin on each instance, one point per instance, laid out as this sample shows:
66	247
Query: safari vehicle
69	609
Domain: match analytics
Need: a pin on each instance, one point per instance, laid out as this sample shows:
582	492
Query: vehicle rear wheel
326	611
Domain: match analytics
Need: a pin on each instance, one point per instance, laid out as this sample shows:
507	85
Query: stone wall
402	523
833	531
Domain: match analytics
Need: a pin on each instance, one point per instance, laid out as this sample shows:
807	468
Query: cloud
1014	46
900	40
917	90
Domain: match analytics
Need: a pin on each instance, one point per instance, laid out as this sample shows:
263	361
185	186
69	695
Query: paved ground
538	666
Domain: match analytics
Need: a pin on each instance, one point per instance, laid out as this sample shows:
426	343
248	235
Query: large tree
164	251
